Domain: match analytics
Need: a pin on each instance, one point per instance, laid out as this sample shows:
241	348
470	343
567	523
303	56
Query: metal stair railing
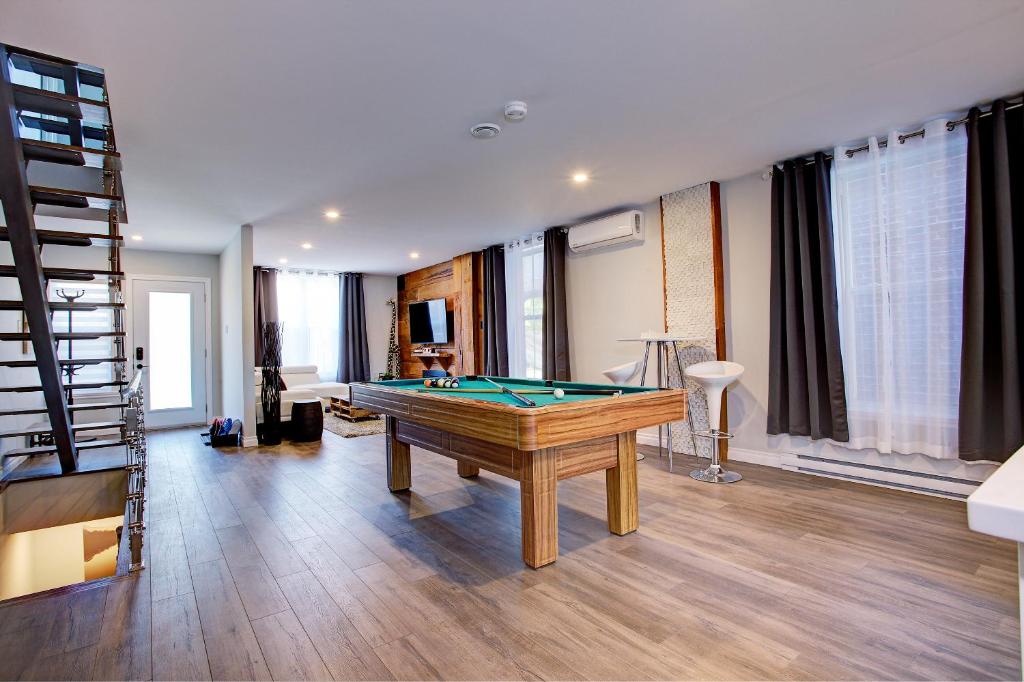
135	437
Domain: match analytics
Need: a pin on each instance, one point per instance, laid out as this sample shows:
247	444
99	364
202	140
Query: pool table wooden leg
538	494
467	470
399	463
621	484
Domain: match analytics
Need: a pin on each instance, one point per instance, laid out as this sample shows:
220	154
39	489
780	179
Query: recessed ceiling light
307	245
414	254
282	260
580	178
136	237
332	214
485	131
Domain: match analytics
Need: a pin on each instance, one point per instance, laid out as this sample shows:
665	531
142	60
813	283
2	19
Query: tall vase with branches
270	392
393	349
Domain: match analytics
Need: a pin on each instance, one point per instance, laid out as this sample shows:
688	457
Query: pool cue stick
505	389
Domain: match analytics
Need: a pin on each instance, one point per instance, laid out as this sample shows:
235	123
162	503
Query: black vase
269	432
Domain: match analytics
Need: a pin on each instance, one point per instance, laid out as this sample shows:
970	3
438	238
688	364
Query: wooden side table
307	421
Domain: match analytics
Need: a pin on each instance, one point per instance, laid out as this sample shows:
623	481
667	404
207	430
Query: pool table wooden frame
536	446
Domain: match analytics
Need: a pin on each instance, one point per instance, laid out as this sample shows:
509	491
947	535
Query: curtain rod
950	126
311	271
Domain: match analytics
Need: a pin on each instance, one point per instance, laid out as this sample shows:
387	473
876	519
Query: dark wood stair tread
53	66
70	155
47	125
62	238
73	198
80	407
79	306
73	387
64	363
67	274
76	428
60	336
52	449
59	104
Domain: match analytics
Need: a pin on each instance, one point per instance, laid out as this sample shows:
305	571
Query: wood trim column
718	262
621	485
398	459
538	495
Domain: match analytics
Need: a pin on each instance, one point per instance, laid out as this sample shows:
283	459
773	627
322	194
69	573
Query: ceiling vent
485	131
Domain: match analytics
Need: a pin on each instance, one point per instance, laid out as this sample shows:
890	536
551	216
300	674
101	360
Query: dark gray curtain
556	325
495	321
806	388
353	351
991	372
264	288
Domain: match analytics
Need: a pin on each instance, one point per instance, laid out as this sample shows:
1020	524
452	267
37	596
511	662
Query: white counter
997	508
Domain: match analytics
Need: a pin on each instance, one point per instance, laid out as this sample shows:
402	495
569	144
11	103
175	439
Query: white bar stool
714	376
621	375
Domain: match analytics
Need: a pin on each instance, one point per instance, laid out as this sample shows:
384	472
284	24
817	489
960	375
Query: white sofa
301	383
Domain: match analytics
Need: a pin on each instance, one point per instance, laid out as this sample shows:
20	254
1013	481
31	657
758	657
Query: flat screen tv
428	322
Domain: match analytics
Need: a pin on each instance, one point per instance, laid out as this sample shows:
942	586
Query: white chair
622	374
714	376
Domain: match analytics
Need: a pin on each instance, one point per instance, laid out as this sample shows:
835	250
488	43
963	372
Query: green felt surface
541	400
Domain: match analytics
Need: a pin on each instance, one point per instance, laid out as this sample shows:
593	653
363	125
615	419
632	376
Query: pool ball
426	382
558	393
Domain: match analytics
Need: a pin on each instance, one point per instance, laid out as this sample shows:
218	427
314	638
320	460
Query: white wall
377	289
611	294
170	264
236	332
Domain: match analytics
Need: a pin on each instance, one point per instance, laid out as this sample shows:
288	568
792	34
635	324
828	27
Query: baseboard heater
901	479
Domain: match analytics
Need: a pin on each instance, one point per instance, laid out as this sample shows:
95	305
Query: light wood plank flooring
295	562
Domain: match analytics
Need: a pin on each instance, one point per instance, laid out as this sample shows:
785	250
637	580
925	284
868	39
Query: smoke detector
515	111
485	131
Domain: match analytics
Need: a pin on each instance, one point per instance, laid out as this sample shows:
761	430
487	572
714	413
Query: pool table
537	446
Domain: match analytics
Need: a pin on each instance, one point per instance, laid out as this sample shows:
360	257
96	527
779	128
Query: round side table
307	421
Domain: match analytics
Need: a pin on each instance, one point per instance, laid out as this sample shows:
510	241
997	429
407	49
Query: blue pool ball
558	393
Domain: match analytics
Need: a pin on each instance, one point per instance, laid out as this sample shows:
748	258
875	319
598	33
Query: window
898	216
308	310
524	291
99	320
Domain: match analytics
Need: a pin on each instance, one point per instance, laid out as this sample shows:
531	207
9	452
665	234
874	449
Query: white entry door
169	347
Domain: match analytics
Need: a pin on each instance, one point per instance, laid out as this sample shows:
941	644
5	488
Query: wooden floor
295	562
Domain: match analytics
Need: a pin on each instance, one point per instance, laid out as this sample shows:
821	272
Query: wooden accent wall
460	282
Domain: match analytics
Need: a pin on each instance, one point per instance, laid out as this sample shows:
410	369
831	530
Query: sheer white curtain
308	308
524	299
899	236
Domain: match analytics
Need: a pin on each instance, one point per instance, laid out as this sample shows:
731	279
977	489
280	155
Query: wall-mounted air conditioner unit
615	229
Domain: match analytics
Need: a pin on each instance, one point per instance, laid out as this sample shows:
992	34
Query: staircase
66	399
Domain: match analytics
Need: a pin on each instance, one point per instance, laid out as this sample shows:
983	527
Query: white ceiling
268	112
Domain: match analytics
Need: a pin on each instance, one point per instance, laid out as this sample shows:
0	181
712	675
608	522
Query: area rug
347	429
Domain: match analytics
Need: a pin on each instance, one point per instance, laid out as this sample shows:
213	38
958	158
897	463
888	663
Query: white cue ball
558	393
